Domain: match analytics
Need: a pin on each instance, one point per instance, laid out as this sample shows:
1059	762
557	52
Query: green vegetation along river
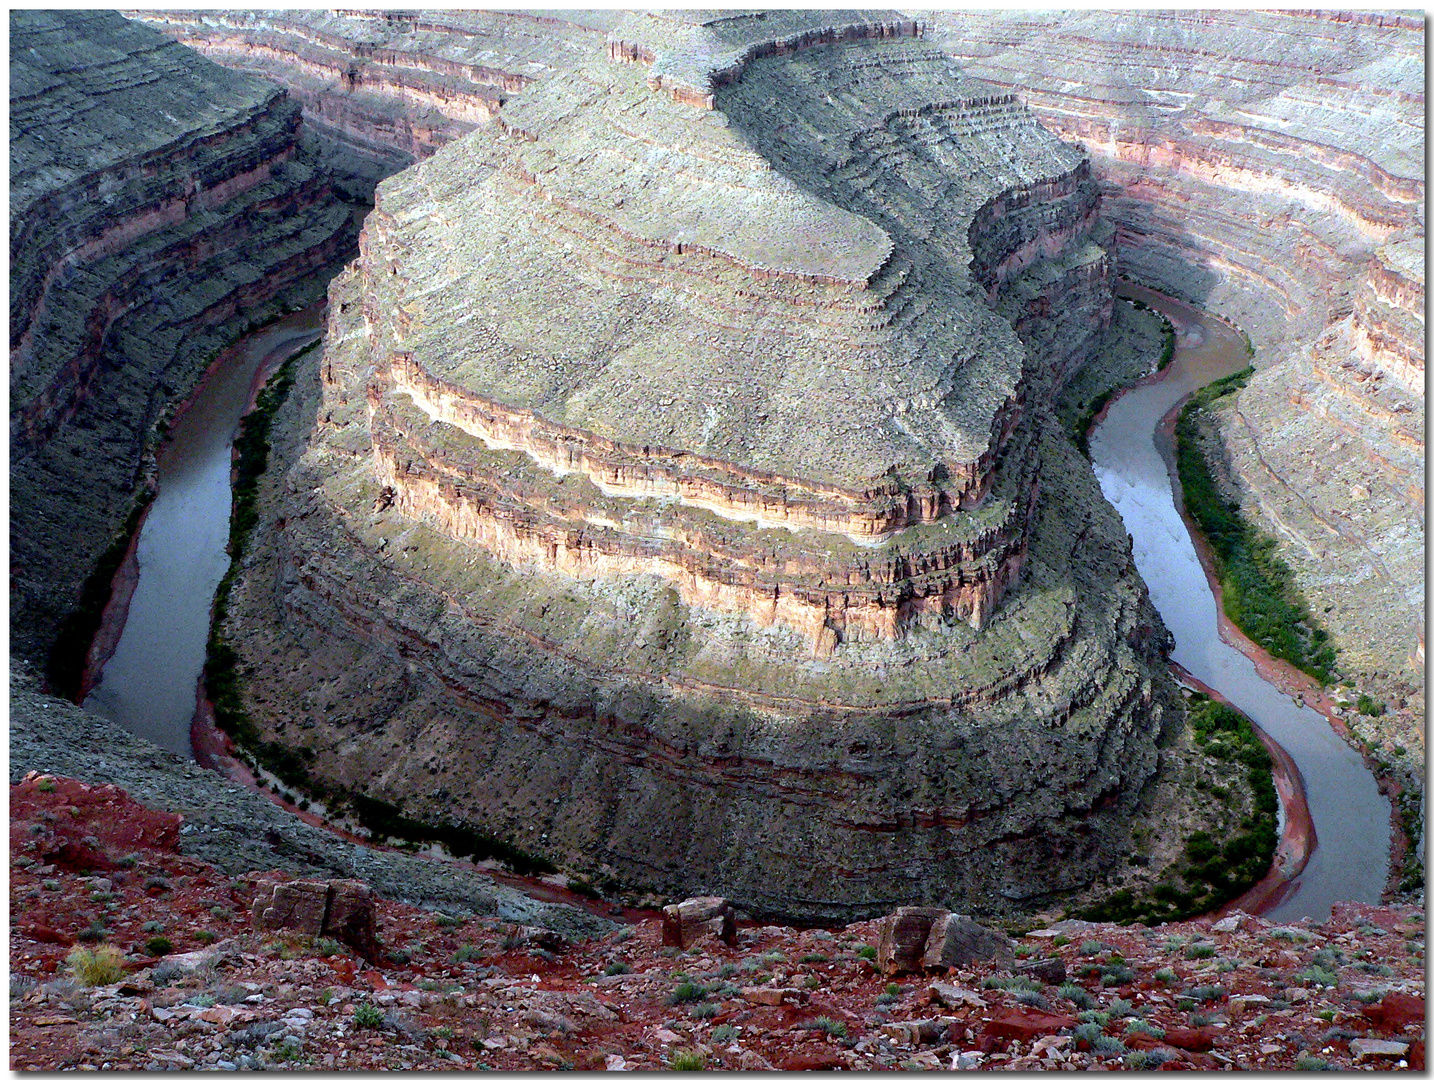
1351	818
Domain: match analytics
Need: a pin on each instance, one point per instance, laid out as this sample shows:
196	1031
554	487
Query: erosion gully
1133	459
149	682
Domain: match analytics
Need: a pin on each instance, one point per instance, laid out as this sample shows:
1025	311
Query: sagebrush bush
95	967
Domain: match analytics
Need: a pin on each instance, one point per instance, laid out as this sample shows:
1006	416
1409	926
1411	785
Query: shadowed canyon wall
159	206
1271	167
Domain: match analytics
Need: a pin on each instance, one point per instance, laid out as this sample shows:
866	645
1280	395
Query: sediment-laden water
1351	818
150	683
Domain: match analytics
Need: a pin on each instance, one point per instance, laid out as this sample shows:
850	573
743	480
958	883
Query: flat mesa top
623	263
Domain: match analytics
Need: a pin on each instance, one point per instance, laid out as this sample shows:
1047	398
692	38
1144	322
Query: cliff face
381	90
684	485
1270	166
159	206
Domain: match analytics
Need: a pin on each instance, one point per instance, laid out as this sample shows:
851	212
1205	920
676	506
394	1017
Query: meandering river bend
1351	818
149	684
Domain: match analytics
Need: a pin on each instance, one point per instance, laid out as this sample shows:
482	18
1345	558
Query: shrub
153	927
1106	1046
1085	1035
1119	1009
687	1061
206	937
686	991
705	1010
158	946
723	1033
1090	948
1140	1027
1367	706
816	958
1137	1061
1166	975
1199	951
467	954
867	952
98	967
826	1025
617	967
1077	995
1319	976
367	1015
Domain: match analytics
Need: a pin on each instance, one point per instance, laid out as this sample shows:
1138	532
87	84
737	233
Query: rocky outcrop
1270	167
160	205
685	486
382	90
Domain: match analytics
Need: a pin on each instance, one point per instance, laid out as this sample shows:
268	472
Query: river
1351	818
149	684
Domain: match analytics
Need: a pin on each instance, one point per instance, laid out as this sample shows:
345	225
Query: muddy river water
150	683
1351	818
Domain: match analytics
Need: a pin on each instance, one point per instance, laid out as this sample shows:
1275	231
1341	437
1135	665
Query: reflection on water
1351	818
149	686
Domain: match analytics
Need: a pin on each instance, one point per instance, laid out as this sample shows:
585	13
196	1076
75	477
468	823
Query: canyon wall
682	499
159	206
381	90
1270	166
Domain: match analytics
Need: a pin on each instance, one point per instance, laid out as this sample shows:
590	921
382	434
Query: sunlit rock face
1271	167
159	204
684	501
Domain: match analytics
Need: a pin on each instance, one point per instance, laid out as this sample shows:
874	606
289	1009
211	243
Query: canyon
679	494
160	206
1269	167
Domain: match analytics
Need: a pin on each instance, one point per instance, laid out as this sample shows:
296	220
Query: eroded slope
641	535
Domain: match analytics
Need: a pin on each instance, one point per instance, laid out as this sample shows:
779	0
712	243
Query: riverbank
1134	479
1290	680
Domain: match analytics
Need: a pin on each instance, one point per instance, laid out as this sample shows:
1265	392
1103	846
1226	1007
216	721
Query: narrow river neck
150	684
1351	818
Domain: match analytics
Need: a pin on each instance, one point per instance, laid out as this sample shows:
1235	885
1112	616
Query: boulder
1396	1009
338	909
1052	971
903	938
696	918
538	937
1377	1048
955	941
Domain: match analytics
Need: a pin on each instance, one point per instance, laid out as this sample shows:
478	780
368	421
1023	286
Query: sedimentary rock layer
385	89
684	484
159	205
1271	167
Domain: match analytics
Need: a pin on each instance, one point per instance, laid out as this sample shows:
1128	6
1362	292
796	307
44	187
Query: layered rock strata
385	89
1271	167
679	491
159	206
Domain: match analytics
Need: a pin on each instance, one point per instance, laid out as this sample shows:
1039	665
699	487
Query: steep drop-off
1270	166
159	206
684	500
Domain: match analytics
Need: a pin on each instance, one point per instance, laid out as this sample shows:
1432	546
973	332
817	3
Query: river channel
149	685
1351	818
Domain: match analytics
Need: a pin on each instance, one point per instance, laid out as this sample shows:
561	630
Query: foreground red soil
90	866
